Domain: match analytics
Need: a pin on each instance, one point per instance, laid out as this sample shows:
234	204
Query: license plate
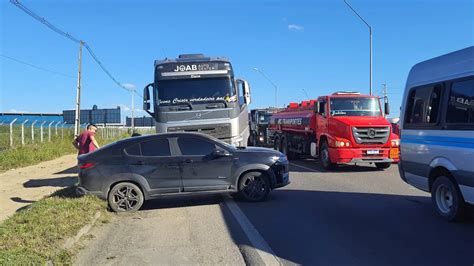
373	152
394	153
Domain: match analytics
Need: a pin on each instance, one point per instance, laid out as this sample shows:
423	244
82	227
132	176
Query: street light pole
77	119
370	36
274	85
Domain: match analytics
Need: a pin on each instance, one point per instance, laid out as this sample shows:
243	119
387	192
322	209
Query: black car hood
260	150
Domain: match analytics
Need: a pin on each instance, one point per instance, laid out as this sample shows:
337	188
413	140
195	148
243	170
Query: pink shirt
85	142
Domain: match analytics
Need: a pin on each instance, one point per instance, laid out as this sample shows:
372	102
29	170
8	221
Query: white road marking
261	246
304	167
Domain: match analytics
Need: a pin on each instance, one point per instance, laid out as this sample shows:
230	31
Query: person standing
86	141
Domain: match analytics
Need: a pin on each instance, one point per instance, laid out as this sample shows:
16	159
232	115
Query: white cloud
294	27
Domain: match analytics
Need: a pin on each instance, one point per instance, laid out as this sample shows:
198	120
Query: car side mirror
387	108
218	153
316	107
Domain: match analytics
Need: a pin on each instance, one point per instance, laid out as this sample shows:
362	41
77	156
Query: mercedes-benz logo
371	133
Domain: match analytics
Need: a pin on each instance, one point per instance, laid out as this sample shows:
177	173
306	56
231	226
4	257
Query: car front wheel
254	186
447	199
125	197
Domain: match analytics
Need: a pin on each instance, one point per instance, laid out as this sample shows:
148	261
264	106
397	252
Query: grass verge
40	152
35	235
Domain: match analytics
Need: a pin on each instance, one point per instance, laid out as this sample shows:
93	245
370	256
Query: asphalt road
350	216
357	216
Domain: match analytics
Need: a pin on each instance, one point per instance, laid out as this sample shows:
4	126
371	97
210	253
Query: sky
306	48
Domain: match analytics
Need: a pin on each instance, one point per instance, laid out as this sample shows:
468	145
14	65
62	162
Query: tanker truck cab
352	129
195	93
342	128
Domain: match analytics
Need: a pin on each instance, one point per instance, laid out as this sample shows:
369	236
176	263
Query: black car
127	172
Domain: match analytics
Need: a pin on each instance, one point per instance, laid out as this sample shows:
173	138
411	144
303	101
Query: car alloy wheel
254	186
125	197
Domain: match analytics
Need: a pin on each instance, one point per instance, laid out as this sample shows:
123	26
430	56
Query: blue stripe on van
439	141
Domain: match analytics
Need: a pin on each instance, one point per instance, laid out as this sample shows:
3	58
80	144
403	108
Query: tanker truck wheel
324	157
276	144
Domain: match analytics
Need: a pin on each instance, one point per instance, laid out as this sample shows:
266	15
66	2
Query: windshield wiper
180	107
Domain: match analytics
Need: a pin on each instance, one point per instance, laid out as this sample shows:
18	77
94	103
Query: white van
437	131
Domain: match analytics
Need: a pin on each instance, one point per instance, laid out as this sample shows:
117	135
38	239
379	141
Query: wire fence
19	134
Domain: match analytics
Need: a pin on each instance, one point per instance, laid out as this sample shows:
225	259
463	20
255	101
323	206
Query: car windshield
355	107
176	91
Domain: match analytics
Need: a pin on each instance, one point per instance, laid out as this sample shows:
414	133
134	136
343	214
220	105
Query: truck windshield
355	107
199	90
264	118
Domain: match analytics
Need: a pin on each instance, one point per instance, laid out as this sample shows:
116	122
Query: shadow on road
71	170
167	202
20	200
51	182
343	228
315	166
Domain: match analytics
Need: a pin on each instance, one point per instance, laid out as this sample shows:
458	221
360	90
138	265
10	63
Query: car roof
167	135
449	66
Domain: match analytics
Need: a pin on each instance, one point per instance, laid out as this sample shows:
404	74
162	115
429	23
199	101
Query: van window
461	103
423	106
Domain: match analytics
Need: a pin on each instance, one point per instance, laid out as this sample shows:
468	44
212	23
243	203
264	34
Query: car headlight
261	138
281	158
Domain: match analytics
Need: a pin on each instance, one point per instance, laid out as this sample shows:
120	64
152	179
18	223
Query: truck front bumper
362	155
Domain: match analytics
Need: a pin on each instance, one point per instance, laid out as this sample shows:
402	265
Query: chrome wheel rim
126	198
444	199
254	187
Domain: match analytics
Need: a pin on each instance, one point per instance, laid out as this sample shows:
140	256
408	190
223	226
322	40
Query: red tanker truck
342	128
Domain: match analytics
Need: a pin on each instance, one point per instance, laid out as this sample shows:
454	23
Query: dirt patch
23	186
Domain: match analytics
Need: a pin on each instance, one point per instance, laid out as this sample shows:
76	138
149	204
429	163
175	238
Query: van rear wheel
447	199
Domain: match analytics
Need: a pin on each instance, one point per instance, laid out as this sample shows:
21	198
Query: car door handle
188	161
172	167
138	163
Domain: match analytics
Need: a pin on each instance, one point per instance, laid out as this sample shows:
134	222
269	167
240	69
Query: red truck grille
371	135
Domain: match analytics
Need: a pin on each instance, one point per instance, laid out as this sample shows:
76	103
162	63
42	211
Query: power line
70	37
34	66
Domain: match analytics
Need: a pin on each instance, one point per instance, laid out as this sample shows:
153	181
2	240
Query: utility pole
133	108
77	121
370	36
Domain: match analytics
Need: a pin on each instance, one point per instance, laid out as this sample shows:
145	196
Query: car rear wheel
254	186
382	165
447	199
125	197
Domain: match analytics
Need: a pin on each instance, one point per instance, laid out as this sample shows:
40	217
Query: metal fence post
49	131
23	132
56	127
41	130
62	130
11	131
33	131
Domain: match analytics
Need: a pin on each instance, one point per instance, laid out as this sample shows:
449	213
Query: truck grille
371	135
220	131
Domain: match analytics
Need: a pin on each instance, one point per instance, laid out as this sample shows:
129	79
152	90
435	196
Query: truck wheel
324	157
447	199
382	165
285	149
276	144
